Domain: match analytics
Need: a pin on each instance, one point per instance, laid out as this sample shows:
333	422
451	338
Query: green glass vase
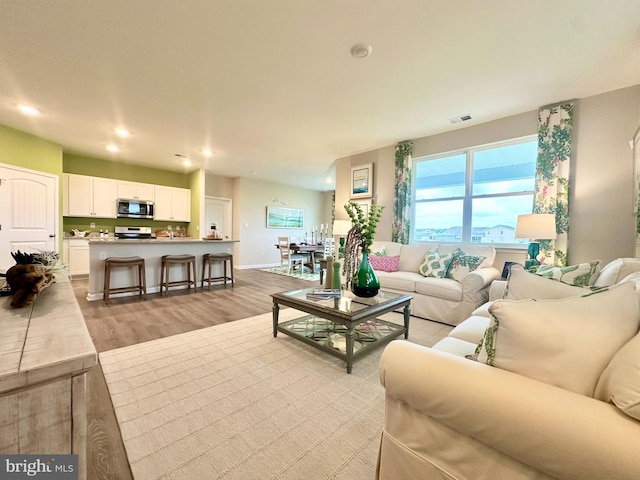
365	282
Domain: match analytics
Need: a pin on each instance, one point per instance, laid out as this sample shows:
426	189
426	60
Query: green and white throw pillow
381	252
566	342
462	264
582	274
435	264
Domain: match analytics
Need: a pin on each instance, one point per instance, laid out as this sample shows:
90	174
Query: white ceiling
271	87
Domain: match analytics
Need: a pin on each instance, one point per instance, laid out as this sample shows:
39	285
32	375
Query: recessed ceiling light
29	111
113	148
360	50
122	132
206	152
186	162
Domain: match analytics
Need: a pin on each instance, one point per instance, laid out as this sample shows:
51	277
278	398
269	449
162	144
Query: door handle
52	235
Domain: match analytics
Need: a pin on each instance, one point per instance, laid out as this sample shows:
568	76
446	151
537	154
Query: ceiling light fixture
186	162
206	152
29	111
113	148
122	132
360	50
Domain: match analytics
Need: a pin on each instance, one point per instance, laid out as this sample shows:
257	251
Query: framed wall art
282	217
362	181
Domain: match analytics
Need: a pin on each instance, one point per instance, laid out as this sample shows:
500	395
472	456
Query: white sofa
450	417
441	299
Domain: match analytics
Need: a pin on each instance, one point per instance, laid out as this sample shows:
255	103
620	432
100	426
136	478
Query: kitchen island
152	250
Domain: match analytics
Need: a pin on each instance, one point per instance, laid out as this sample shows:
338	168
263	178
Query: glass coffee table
346	327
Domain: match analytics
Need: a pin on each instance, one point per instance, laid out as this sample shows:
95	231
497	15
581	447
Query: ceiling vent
461	118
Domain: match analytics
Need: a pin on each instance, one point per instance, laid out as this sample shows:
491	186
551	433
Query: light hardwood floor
128	320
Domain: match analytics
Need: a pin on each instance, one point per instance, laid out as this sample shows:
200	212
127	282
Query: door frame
56	194
229	202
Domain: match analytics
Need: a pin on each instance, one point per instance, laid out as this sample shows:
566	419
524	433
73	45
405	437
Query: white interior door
28	212
218	210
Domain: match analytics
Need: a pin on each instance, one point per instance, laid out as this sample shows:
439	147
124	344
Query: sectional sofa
541	383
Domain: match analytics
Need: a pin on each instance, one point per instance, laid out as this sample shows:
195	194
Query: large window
474	195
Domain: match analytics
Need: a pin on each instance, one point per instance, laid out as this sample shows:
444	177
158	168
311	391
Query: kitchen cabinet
136	191
86	196
172	204
76	256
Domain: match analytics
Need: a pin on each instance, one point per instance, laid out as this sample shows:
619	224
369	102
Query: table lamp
340	229
535	226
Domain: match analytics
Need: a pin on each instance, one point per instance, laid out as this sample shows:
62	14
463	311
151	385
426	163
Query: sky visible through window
503	183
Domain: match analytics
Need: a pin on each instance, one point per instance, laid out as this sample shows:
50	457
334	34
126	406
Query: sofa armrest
475	286
559	432
497	289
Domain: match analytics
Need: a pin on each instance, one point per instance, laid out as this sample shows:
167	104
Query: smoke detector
360	50
460	118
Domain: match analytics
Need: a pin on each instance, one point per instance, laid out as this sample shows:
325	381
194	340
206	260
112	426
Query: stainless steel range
133	232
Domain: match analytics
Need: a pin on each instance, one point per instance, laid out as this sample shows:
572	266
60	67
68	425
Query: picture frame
362	181
365	207
283	217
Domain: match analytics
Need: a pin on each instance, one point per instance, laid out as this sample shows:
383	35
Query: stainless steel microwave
128	208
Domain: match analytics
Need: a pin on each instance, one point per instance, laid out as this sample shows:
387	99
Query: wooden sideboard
45	352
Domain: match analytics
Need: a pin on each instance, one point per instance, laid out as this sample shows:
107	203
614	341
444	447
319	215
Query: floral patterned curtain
402	198
552	177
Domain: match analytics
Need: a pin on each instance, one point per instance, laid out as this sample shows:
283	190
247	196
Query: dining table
308	249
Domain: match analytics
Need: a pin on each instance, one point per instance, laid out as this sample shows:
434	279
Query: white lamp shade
538	226
341	227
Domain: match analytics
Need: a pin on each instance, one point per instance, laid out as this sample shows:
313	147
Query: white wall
257	242
601	221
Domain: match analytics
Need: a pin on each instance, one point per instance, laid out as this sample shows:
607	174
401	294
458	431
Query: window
474	196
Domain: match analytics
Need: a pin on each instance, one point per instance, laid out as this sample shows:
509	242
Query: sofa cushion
444	288
435	264
411	256
582	274
462	264
482	310
487	251
522	284
620	382
472	329
455	346
384	263
405	281
616	270
566	342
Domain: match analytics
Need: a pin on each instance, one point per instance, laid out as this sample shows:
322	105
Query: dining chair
287	257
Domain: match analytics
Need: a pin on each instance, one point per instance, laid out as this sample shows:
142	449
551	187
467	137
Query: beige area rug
233	402
304	275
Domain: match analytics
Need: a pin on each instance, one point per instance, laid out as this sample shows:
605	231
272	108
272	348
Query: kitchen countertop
156	240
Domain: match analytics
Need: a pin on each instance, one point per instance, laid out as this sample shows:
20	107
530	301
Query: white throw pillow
616	270
582	274
620	382
522	284
566	342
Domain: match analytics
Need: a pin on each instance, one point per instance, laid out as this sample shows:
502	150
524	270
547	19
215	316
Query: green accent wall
97	167
34	153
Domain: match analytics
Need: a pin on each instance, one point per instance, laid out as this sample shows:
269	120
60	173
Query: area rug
233	402
304	275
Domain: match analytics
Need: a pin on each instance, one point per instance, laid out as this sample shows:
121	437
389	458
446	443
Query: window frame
467	199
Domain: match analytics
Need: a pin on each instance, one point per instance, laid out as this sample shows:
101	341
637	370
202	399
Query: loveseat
446	300
541	383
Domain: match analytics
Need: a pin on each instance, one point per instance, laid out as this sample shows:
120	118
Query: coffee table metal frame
337	310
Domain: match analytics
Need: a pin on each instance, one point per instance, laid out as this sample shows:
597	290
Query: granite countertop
156	240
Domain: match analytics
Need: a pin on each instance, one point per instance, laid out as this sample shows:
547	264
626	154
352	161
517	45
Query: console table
46	351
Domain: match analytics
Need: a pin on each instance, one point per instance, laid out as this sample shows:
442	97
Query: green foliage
49	259
364	226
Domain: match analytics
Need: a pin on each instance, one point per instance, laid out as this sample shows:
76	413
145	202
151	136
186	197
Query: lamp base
533	251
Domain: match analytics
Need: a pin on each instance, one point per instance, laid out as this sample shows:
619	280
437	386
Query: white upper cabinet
86	196
172	204
136	191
